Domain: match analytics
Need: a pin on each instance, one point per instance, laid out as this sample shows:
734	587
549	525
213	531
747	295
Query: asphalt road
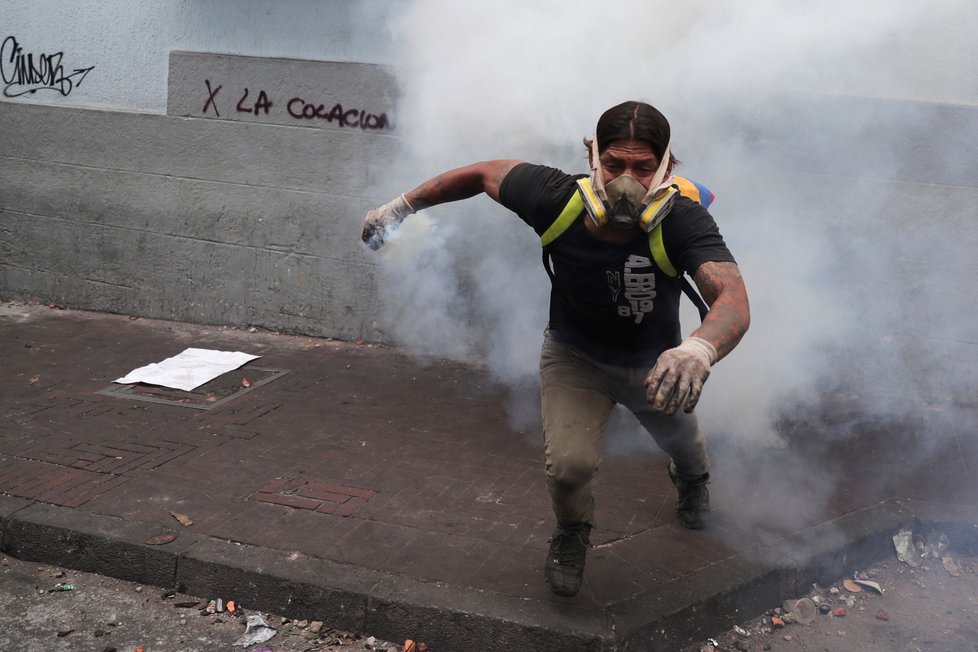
933	608
101	614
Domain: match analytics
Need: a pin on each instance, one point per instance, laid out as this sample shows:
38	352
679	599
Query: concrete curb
388	606
345	596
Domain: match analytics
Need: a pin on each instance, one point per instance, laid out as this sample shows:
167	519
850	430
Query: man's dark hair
633	121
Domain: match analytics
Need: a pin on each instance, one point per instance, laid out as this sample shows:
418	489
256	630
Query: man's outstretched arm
678	376
453	185
723	290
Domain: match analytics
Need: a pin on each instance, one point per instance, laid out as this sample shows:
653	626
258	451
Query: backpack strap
567	216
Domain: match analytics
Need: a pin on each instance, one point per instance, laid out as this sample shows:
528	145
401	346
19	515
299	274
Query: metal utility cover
208	396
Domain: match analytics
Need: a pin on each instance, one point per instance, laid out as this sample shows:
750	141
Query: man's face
633	157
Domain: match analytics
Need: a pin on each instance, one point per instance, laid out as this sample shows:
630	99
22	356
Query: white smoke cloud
825	222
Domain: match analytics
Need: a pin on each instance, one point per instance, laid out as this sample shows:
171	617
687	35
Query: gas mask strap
659	180
597	175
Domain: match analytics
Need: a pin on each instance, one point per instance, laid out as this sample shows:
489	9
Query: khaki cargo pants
578	394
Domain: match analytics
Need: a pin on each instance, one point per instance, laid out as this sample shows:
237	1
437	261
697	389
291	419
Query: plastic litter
64	586
803	609
740	630
257	630
906	552
869	584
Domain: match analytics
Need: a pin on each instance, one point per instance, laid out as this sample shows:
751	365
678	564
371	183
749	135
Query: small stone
139	589
834	590
252	330
787	637
316	626
839	612
302	624
882	615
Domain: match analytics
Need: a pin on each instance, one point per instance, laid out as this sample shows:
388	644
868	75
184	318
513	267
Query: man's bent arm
461	183
723	289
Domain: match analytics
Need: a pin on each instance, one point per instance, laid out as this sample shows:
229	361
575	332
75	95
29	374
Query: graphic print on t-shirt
614	284
639	287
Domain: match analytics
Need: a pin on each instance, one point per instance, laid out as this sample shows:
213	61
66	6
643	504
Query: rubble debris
933	545
951	565
181	518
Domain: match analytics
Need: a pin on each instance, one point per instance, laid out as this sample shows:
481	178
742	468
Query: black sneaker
693	505
565	559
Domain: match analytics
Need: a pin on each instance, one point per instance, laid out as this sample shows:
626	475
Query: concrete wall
197	220
208	213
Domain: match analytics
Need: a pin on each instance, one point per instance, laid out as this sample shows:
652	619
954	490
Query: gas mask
624	201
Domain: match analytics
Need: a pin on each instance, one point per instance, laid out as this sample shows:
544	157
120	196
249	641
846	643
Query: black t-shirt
612	300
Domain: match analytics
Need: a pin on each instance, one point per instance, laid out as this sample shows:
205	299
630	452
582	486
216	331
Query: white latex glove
677	378
384	219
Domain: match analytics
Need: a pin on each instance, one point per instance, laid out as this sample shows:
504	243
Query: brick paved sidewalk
408	476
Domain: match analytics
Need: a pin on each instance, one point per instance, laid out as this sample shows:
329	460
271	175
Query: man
615	247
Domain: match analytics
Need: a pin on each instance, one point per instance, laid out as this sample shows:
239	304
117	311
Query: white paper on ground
188	370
